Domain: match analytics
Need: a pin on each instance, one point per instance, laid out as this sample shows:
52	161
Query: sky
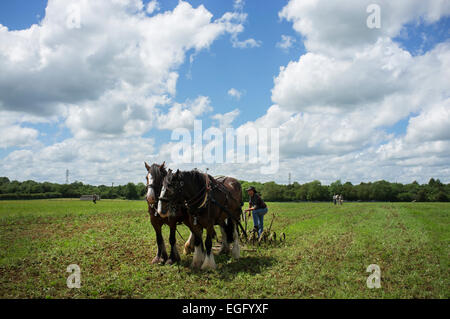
98	87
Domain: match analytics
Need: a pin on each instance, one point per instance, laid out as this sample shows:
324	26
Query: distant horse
155	176
209	202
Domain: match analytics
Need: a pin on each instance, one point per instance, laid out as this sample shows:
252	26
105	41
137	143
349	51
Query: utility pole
67	176
289	178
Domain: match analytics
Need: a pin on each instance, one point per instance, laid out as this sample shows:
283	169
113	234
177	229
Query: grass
325	255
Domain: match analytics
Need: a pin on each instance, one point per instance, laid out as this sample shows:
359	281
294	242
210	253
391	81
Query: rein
153	205
197	197
206	188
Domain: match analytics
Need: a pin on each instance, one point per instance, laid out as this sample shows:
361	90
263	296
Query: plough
267	236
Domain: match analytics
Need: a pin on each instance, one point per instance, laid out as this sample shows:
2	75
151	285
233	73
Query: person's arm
250	208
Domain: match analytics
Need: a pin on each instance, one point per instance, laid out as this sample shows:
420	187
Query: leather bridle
152	185
200	198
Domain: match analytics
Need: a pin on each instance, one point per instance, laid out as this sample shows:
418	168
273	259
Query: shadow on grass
228	268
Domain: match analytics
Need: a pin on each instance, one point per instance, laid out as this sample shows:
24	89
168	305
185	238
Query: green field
325	255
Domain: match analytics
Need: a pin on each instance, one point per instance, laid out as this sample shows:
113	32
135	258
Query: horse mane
157	172
194	176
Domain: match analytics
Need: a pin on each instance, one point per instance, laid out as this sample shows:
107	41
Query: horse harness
209	198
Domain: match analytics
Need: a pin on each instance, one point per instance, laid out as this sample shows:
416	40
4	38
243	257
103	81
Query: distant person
341	199
334	199
94	199
258	208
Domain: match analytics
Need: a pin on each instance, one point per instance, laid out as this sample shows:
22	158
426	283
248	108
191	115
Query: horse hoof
208	267
156	260
236	252
196	264
199	257
209	263
170	262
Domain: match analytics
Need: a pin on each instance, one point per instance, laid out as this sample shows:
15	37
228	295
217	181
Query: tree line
34	190
433	191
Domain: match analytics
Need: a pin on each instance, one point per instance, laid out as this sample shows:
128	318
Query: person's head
251	191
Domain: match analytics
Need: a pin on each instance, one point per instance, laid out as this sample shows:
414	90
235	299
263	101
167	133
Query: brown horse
155	176
209	202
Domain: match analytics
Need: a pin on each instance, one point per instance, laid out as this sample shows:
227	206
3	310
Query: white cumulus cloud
286	42
235	93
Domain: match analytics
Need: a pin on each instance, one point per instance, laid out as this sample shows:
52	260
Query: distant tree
442	197
405	197
289	192
381	191
131	191
316	191
37	188
272	192
421	195
244	186
301	191
431	182
349	191
336	188
4	180
141	189
363	191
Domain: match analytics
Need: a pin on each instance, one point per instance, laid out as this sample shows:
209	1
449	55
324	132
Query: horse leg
161	255
199	256
224	247
189	245
236	252
209	262
174	256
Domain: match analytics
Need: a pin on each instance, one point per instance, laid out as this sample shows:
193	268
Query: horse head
171	194
155	176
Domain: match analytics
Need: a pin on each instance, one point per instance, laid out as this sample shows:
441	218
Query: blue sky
255	72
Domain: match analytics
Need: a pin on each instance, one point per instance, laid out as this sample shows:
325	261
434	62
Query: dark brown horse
155	176
209	202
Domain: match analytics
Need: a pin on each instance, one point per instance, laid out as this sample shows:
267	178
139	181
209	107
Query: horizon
245	181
